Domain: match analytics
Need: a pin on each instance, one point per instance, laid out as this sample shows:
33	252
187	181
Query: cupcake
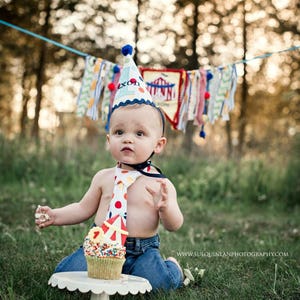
104	249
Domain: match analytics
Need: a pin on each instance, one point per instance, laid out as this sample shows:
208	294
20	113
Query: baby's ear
160	144
107	139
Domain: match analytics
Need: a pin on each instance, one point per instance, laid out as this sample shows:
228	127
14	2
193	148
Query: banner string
266	55
44	38
243	61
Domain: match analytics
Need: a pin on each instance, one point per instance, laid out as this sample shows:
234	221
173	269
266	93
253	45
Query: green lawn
242	223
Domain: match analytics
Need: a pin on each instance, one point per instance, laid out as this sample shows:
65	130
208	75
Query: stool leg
102	296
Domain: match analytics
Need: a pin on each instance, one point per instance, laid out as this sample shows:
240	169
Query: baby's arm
167	206
73	213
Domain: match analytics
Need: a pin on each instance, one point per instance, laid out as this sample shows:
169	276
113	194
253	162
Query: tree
244	88
41	68
27	84
193	63
14	47
137	29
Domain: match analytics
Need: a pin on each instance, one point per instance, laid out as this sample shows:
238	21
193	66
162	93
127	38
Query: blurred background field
229	206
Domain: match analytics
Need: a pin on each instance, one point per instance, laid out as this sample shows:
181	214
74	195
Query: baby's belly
142	218
142	227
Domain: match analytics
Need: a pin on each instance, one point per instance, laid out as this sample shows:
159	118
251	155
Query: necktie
118	204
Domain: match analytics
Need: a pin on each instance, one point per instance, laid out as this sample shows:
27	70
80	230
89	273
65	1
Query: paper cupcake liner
104	268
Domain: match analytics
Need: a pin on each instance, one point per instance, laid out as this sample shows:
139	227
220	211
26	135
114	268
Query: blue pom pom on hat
131	88
127	49
116	69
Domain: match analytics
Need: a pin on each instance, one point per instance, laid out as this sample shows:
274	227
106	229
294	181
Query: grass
233	211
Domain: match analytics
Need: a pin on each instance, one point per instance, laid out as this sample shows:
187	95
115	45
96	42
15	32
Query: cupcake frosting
97	244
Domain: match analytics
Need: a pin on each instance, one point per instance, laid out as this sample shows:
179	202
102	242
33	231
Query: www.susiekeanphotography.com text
232	254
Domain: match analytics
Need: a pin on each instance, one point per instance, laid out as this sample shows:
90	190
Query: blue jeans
142	259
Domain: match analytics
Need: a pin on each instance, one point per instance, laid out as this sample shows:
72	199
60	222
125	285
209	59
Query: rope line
266	55
44	38
243	61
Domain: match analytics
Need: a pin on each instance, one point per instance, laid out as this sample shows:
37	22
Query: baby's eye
140	133
119	132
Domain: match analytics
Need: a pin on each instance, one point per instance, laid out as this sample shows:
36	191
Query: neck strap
142	166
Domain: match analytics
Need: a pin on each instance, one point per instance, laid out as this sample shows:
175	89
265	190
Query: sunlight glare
272	71
48	119
206	39
123	11
280	4
62	92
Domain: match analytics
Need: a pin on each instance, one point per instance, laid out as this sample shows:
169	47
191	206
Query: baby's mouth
126	149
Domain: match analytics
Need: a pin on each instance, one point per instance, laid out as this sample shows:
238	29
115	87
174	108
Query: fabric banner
165	88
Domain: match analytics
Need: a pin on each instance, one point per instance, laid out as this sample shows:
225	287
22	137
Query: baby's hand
44	216
160	198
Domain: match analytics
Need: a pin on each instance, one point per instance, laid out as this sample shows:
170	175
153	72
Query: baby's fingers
43	224
150	191
163	188
42	218
156	197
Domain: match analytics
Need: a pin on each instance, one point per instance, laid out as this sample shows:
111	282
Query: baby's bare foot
174	260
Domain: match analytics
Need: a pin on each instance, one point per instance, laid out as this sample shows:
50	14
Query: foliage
228	182
229	207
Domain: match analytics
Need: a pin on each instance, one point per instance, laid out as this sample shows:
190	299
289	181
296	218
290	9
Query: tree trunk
26	86
193	64
40	74
25	99
137	29
194	58
244	92
229	139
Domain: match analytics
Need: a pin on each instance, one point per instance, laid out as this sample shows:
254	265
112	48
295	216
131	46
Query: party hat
131	88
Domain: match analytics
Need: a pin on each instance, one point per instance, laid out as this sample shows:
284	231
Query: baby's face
135	132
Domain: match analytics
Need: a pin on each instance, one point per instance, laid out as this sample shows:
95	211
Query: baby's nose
127	139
